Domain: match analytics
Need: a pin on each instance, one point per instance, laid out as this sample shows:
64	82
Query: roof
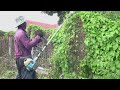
44	25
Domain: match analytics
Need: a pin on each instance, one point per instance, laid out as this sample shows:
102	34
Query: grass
8	74
8	71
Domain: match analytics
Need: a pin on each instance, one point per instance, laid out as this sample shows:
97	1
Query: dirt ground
8	68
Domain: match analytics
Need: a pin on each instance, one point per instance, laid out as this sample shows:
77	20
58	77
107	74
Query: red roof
44	25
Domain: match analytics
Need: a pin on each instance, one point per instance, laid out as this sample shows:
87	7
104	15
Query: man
23	46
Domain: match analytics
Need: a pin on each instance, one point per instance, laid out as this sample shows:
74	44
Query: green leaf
97	51
115	46
86	42
113	69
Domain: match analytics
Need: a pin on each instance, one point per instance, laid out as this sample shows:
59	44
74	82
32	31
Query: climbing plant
66	56
88	52
103	46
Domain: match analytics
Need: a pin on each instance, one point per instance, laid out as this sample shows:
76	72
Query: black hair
21	26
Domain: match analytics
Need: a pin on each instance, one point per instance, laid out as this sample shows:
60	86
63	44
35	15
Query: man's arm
29	43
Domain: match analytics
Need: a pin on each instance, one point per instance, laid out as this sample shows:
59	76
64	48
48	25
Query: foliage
34	28
86	47
61	14
102	42
6	34
11	33
114	15
64	57
101	47
2	33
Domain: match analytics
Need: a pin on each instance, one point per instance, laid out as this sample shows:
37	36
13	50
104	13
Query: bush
66	57
102	42
102	38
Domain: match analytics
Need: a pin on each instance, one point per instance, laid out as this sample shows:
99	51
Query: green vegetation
86	47
102	36
61	15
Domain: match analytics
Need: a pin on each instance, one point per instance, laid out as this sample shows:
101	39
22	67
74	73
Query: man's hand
39	33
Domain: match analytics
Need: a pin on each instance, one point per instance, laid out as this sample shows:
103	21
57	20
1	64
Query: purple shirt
22	43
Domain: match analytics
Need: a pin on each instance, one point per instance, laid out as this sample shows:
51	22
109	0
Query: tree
61	14
114	15
2	33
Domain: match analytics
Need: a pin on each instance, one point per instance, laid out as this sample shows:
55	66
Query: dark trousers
23	73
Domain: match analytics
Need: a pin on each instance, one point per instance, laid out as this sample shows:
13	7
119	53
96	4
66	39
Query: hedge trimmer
31	63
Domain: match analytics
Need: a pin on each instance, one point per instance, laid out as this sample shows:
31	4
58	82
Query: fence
7	48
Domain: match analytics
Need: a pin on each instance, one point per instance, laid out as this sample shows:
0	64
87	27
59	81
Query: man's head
21	22
22	26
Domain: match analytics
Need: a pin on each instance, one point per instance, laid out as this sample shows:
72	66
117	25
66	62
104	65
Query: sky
7	18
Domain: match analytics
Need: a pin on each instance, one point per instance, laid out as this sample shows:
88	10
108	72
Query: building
43	25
